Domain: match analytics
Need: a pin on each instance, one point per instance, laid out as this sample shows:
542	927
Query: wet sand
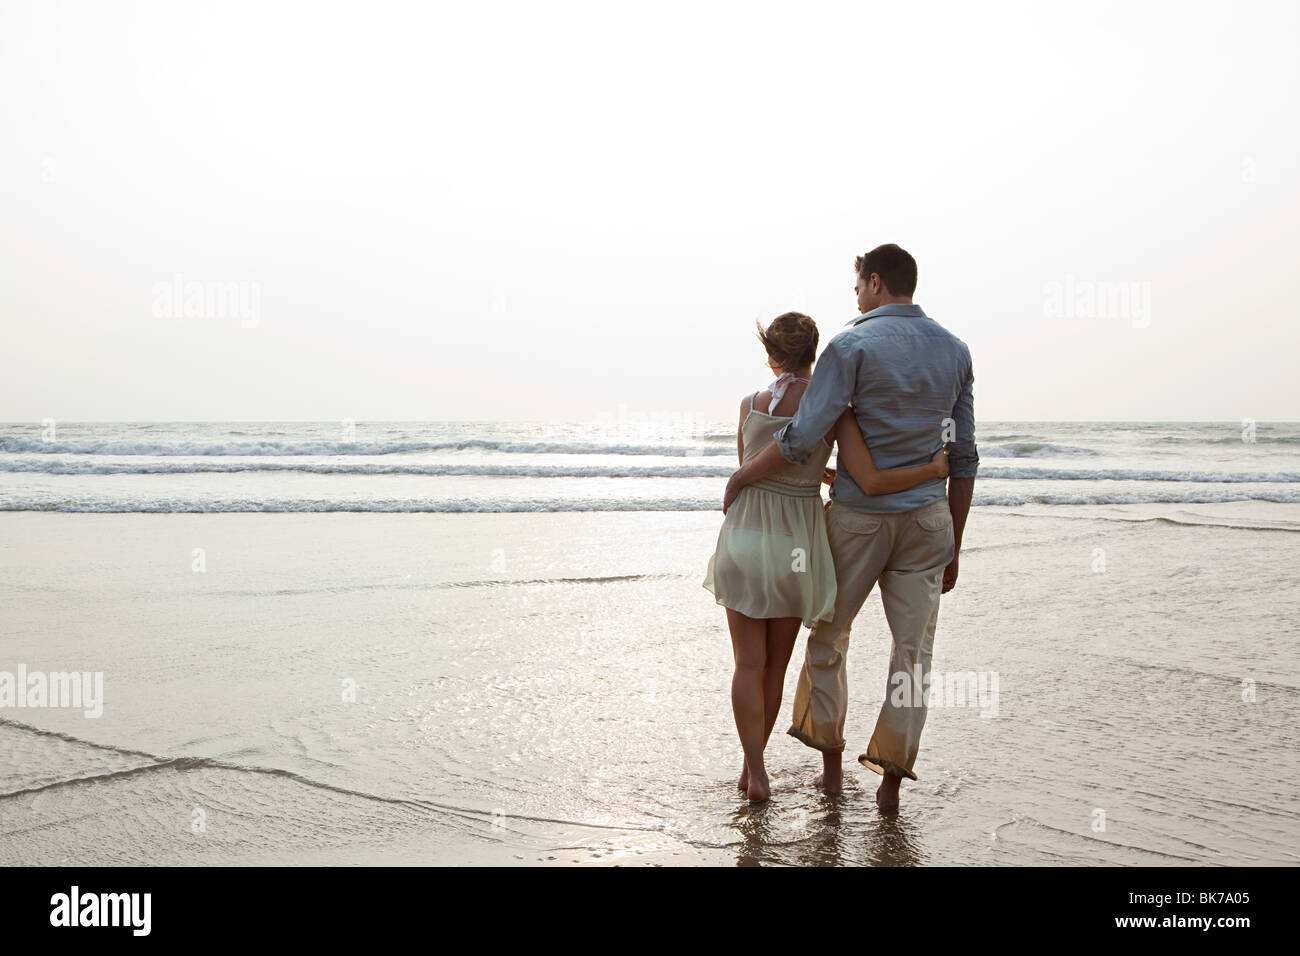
551	689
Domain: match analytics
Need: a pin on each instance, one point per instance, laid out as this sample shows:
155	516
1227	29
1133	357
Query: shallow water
535	688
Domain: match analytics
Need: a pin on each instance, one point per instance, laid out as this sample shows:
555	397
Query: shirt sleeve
963	456
830	390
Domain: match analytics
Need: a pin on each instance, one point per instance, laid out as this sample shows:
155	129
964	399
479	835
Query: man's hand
960	493
950	575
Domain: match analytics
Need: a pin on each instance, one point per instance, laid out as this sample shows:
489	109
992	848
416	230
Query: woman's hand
733	490
940	462
828	476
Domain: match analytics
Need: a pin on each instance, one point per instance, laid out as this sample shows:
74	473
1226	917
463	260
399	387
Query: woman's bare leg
782	632
749	646
780	637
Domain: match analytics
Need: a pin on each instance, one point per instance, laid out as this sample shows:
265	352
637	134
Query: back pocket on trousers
855	522
935	520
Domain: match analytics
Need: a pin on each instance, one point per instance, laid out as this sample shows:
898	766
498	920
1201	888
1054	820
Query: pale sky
548	211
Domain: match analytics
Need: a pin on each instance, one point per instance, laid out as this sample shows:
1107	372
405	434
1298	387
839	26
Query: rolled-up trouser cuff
805	739
882	766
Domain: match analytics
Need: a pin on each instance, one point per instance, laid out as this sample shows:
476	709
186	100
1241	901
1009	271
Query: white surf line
1210	521
1094	840
201	763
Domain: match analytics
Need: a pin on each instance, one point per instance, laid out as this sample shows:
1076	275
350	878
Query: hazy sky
549	211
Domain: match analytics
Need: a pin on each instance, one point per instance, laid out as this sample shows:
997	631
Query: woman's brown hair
790	340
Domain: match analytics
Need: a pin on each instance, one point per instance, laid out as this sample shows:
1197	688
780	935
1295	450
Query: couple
894	390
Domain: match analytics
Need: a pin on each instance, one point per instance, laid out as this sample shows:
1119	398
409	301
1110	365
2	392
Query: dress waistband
782	488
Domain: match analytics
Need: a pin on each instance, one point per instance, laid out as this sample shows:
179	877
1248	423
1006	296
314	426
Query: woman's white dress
773	558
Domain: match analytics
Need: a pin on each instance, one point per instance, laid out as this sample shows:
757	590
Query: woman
772	568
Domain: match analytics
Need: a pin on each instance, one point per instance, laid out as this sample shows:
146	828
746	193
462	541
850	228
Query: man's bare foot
887	792
759	789
831	779
744	778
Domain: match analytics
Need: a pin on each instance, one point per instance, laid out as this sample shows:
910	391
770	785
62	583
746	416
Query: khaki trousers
907	554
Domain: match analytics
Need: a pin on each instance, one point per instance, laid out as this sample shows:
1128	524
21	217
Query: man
909	382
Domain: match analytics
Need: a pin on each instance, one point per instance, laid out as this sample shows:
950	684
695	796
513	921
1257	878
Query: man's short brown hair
894	265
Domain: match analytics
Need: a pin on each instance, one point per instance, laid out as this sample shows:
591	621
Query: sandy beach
373	378
534	689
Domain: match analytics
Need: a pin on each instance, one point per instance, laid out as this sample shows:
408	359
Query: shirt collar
893	308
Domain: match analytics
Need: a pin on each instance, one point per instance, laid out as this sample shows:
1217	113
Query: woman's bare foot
744	777
887	792
759	789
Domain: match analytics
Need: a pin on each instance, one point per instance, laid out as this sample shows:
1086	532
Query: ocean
489	644
614	466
